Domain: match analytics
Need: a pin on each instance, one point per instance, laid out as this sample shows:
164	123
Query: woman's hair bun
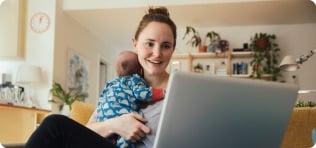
158	11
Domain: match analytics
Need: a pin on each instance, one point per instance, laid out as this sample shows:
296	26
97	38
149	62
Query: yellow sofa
81	112
297	135
299	130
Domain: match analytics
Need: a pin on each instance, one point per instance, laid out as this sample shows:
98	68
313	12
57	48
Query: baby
124	93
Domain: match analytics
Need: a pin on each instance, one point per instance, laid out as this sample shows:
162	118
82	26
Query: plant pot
262	43
202	48
257	70
65	110
223	45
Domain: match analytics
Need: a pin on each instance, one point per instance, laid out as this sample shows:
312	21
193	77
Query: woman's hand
130	126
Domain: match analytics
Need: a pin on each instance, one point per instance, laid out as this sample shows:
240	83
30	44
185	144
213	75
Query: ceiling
113	23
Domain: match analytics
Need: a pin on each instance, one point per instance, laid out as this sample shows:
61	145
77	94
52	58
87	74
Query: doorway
102	74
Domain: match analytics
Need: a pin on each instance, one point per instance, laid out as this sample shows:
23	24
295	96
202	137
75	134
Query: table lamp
28	75
1	1
288	63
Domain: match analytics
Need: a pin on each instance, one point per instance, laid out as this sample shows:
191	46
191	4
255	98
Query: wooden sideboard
17	123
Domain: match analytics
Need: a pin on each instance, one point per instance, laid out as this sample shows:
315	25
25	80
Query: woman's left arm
98	127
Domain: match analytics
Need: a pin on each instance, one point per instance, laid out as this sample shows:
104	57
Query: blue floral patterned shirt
120	96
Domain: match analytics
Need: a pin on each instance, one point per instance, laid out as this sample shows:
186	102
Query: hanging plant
266	54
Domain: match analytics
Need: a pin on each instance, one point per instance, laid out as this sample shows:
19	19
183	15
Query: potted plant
301	103
266	54
66	98
198	68
214	39
195	40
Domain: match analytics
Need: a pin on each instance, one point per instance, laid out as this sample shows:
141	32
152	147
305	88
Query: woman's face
154	47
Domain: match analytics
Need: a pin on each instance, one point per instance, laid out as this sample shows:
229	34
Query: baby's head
127	64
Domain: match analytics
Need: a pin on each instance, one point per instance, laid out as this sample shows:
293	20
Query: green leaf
266	57
66	97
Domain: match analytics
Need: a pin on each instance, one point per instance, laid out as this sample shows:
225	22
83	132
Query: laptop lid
205	111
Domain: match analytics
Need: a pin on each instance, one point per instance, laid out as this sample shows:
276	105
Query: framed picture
12	30
77	72
210	69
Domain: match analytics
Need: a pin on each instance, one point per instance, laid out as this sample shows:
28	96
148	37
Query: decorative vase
223	45
211	48
65	110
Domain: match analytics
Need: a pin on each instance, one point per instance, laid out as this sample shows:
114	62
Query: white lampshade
288	63
29	74
1	1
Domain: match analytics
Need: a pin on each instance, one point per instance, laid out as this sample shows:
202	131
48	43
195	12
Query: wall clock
40	22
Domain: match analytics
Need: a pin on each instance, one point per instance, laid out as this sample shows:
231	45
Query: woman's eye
165	46
149	44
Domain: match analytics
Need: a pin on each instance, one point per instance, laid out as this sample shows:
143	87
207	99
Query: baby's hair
127	66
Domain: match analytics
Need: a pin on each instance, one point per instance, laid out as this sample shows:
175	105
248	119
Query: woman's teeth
155	62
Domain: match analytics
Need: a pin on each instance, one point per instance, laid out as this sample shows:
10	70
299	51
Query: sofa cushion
81	112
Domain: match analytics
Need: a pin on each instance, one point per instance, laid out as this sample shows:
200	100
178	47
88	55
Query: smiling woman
12	28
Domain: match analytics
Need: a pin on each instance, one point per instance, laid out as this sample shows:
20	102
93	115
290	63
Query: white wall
9	11
295	40
39	50
71	35
101	4
49	50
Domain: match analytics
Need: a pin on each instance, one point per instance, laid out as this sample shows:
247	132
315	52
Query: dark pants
58	131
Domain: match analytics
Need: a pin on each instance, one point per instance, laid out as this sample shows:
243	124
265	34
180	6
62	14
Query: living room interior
94	32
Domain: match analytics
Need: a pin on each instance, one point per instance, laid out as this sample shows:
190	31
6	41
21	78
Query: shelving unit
241	75
18	123
228	57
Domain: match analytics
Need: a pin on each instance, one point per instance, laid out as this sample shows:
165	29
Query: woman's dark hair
158	14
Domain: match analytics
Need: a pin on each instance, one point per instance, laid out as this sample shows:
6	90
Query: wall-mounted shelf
241	75
247	54
205	55
228	57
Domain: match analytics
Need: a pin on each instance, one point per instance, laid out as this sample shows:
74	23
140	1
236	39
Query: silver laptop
203	111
